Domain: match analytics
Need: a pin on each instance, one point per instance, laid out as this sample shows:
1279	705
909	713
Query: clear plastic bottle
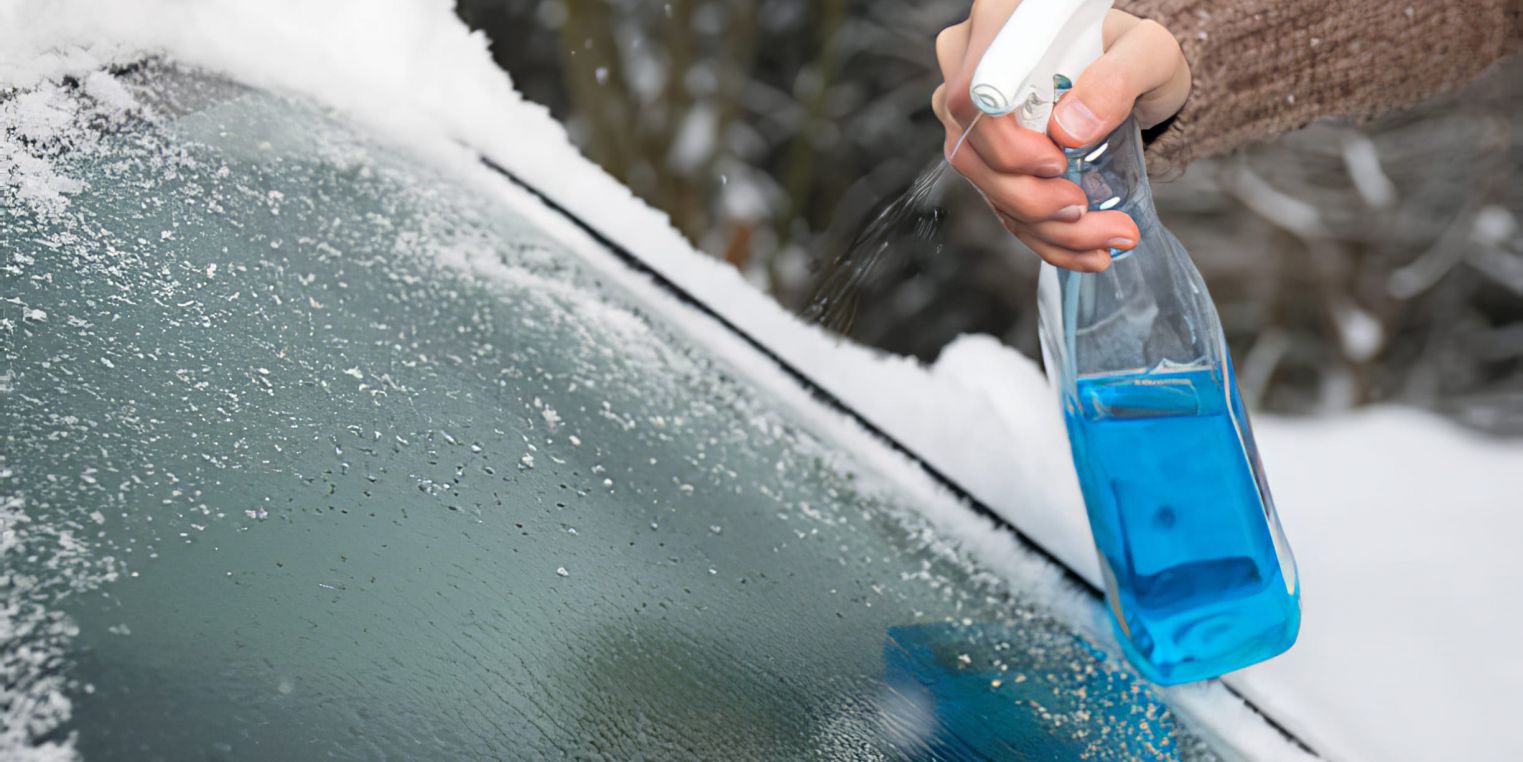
1198	574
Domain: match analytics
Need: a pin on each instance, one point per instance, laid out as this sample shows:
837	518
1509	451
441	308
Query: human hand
1019	171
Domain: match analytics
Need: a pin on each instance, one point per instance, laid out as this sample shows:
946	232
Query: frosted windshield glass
312	451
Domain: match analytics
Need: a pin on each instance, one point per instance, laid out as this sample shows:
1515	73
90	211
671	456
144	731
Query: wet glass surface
310	451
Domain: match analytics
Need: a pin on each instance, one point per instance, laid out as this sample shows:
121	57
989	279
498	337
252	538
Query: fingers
1088	261
951	49
1019	171
1168	97
1000	142
1095	230
1026	198
1006	146
1054	209
1142	67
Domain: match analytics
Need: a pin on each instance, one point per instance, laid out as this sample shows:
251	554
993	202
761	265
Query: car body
315	447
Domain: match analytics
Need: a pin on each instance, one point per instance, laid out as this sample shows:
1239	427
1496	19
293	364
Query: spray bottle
1198	574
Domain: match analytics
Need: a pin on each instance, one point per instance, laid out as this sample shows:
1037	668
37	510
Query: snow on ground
1406	532
1401	522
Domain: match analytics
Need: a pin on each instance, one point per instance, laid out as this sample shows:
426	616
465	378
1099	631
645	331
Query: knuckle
1005	207
1004	158
1111	85
1019	201
1158	36
959	102
1050	195
1054	258
1068	192
947	40
1007	151
943	40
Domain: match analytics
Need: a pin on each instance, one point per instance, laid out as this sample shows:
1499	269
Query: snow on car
323	437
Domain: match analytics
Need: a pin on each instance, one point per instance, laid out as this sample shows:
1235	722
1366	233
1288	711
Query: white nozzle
1043	38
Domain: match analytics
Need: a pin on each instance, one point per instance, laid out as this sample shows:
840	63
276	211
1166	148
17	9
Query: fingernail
1050	170
1077	120
1121	243
1069	213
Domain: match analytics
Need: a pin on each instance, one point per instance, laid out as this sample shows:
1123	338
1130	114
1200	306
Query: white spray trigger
1041	39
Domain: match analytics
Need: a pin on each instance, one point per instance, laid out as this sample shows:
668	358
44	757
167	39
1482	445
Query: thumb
1142	58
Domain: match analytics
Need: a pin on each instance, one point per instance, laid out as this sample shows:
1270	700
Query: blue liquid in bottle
1200	580
1198	575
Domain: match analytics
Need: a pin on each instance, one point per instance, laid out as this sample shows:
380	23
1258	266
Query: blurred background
1351	263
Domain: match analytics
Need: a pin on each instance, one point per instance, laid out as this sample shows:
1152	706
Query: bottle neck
1113	175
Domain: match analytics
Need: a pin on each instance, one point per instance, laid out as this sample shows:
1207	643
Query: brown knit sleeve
1262	67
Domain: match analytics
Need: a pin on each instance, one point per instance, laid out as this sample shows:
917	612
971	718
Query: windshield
313	450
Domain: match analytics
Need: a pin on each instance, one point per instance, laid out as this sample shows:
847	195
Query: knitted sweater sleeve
1263	67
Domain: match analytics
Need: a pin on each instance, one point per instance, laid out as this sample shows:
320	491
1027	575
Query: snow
1360	332
1370	179
36	117
1405	528
33	695
1494	225
1401	521
695	140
